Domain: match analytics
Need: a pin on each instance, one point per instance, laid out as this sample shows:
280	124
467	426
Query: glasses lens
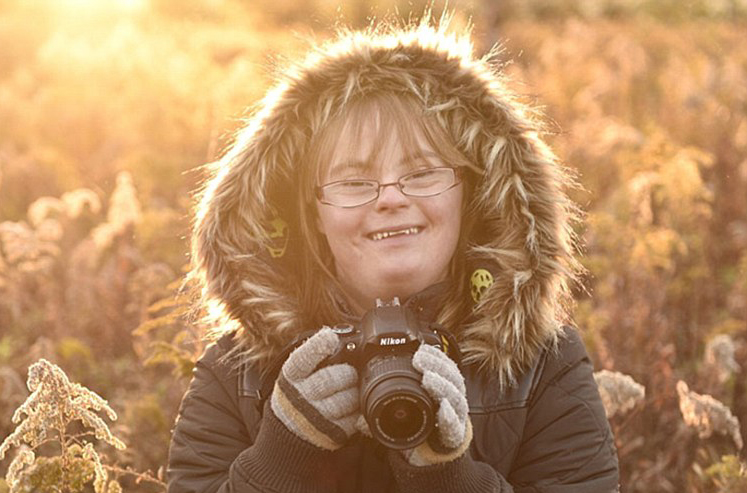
425	182
349	193
420	183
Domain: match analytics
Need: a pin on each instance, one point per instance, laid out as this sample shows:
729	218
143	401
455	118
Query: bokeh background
109	108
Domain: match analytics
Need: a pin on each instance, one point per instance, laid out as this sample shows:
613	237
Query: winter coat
537	417
548	433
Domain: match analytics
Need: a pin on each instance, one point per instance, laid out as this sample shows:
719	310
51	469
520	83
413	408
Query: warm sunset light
86	10
113	112
78	5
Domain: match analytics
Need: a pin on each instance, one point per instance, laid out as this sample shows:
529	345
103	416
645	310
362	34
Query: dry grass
109	111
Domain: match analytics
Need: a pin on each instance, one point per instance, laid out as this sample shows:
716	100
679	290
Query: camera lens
398	411
401	418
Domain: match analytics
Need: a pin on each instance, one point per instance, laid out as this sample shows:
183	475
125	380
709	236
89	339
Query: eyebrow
417	155
357	165
367	165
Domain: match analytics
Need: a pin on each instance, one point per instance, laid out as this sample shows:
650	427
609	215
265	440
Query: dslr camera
398	410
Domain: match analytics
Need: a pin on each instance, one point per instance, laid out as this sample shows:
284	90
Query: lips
389	233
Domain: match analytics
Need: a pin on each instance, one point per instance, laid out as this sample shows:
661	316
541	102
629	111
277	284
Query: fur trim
522	210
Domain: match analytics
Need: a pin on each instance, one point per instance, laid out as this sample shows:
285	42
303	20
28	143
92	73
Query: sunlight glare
101	5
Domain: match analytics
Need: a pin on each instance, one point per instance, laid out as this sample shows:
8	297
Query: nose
390	197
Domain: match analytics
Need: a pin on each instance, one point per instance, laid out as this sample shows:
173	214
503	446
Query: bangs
396	117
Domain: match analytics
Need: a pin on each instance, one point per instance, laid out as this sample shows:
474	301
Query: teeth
387	234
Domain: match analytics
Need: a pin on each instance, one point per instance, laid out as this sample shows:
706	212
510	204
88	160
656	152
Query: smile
388	234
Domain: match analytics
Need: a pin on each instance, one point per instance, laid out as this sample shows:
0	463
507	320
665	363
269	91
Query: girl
390	163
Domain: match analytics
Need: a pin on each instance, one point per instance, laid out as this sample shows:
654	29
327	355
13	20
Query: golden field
109	108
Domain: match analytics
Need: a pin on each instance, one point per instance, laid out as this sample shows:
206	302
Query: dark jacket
548	433
537	417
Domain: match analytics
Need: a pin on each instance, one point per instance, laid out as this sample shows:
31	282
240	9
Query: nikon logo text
392	341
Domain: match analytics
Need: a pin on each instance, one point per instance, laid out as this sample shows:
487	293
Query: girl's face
420	233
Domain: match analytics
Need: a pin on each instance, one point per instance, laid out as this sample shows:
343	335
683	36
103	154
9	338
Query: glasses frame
457	170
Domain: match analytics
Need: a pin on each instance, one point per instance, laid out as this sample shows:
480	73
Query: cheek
325	220
450	213
320	221
337	225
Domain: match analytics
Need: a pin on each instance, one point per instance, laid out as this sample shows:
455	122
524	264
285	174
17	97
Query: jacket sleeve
215	448
566	447
463	475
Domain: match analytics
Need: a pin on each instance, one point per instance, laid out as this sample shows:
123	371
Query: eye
350	187
354	184
423	175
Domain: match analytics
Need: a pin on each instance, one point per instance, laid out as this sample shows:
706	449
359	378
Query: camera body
399	412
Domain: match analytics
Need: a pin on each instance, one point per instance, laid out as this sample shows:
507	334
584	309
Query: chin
402	286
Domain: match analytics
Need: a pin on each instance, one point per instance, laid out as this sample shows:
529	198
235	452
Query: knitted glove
322	406
445	384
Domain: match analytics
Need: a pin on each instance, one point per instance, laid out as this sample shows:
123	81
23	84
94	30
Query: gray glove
322	406
445	384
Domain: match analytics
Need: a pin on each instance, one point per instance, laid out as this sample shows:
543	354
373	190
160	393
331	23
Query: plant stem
139	475
61	426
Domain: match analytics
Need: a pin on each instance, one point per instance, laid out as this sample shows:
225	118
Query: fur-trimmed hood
522	253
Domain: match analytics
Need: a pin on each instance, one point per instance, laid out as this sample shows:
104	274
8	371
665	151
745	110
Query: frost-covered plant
707	415
124	211
46	417
619	392
719	355
25	249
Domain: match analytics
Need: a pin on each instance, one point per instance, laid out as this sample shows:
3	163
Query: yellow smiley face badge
480	281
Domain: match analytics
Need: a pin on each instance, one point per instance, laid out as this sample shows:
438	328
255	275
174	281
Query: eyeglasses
419	183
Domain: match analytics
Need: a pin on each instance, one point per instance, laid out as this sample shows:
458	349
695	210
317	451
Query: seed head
619	392
719	354
707	415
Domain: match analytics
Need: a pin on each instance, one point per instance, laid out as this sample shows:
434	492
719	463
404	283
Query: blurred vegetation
108	108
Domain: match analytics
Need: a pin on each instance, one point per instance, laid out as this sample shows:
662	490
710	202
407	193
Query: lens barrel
399	412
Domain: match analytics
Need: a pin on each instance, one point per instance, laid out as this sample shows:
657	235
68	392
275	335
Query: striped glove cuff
320	406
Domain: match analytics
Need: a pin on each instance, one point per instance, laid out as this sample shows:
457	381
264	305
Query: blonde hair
401	116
